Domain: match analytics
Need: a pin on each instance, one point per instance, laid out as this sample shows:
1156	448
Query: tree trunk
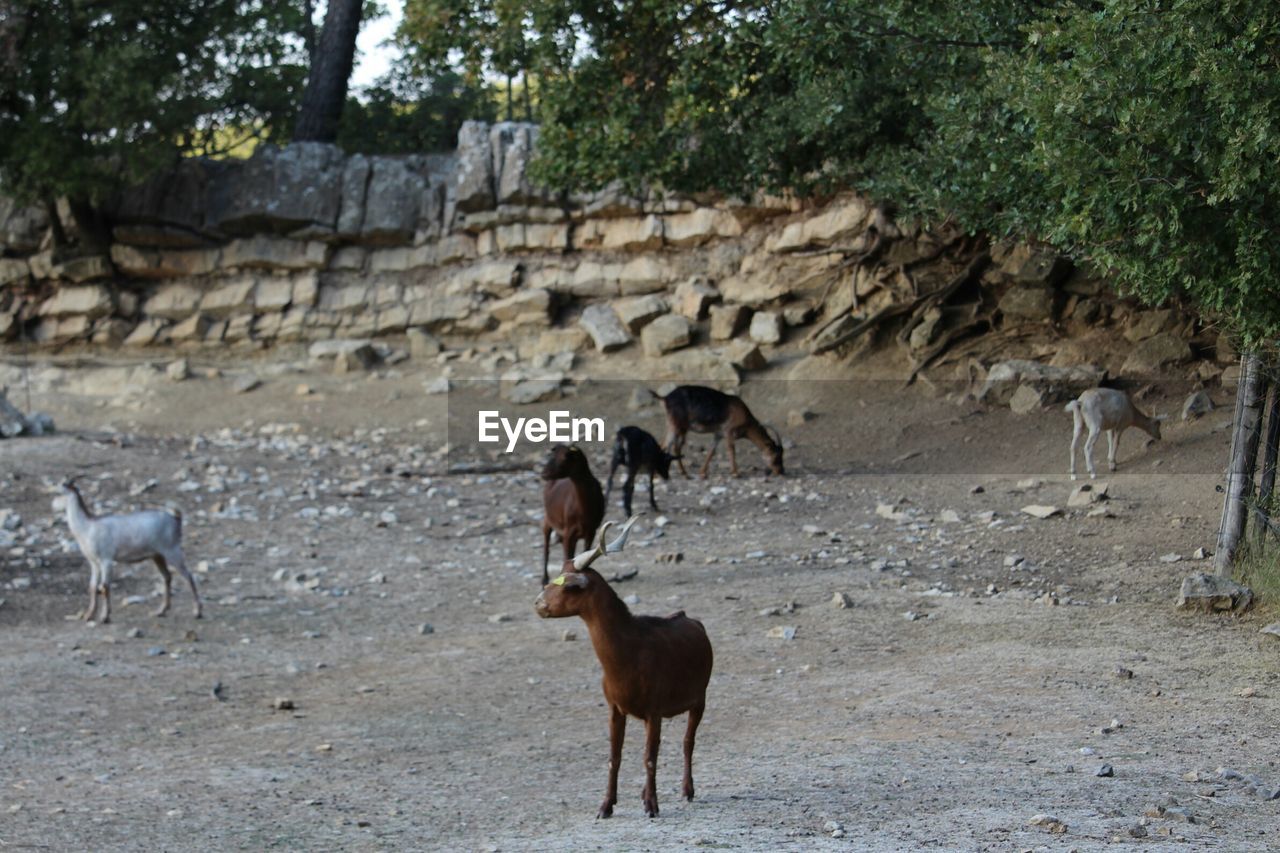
309	30
528	97
1247	428
326	91
1267	482
509	113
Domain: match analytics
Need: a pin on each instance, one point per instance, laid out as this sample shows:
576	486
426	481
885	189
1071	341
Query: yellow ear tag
559	581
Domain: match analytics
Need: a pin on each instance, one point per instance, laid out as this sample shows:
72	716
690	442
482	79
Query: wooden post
1267	482
1246	430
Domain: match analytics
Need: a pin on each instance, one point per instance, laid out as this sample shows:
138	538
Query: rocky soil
904	658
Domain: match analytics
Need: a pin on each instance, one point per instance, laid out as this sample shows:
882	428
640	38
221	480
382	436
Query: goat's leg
706	466
733	456
104	589
652	502
180	563
695	717
546	553
1088	453
676	449
628	489
167	577
652	737
608	489
90	611
1113	443
1077	426
617	728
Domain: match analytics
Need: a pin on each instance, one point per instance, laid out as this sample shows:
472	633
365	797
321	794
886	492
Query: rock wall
304	244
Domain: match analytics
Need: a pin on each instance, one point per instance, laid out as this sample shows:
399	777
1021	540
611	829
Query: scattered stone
303	390
604	327
1171	558
178	370
1106	771
283	704
155	652
913	616
1027	399
568	635
1210	593
423	344
533	391
693	297
665	334
439	385
1087	494
1196	406
782	632
841	601
949	516
728	320
134	633
426	628
670	557
766	327
1123	673
639	311
977	490
799	417
501	617
245	384
1100	512
744	355
1273	629
1041	511
1199	554
890	512
1048	823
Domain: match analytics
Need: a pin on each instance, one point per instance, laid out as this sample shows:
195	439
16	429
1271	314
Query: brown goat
697	408
654	667
572	502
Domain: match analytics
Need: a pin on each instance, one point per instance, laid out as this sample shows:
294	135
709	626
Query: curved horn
774	434
586	558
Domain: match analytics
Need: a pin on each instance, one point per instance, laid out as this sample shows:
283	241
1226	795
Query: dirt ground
976	681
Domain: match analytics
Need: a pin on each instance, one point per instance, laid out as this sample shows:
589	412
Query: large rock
636	312
525	307
838	223
693	297
728	320
14	271
698	366
1029	302
1029	265
21	228
395	191
473	175
266	252
90	301
296	188
80	270
163	263
512	144
1148	324
194	328
604	327
665	334
700	226
766	327
172	302
355	184
631	235
178	207
1156	355
744	355
1202	591
1027	399
146	333
1053	383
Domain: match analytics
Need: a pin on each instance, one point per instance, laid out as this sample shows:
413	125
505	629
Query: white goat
1109	409
153	534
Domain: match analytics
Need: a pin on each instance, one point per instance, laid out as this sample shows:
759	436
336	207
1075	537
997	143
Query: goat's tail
177	516
655	395
1073	406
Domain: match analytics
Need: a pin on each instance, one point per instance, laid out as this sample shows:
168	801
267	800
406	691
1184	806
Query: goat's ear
572	580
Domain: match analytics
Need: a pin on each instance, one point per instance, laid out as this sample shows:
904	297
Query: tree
331	64
409	113
95	96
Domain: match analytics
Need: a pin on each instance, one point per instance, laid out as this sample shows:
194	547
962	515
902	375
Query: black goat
638	452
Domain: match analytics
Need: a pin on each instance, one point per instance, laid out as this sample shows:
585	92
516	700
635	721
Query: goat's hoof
199	614
688	794
651	809
606	812
160	613
106	620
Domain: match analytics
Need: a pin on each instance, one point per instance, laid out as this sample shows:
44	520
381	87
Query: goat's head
564	595
663	466
773	451
565	461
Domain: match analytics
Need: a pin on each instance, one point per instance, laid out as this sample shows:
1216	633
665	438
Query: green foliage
1143	137
407	114
94	95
